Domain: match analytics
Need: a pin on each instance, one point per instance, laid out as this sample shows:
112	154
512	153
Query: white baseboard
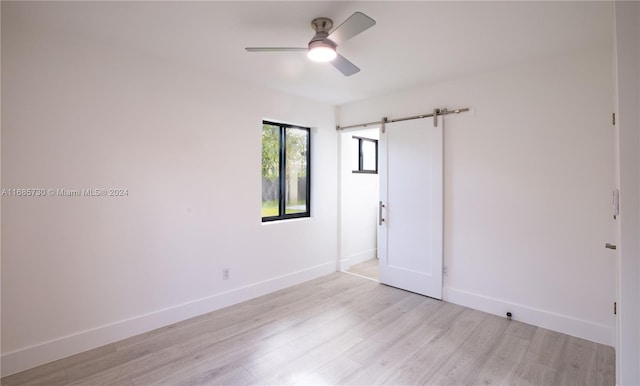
362	256
32	356
569	325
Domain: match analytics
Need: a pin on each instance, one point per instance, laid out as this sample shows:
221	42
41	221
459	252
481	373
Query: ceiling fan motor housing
322	24
321	43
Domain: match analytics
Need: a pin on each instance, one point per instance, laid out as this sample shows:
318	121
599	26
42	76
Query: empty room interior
320	192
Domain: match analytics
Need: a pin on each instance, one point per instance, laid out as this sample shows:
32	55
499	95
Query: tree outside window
285	171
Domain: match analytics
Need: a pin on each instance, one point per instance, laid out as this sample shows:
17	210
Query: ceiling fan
323	45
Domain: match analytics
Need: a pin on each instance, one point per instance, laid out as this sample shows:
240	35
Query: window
365	155
285	171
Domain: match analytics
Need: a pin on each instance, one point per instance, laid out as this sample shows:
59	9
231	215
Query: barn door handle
380	219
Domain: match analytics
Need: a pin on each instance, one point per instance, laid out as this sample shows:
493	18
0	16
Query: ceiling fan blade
351	27
275	49
344	66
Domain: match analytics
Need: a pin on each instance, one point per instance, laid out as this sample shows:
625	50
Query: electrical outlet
225	274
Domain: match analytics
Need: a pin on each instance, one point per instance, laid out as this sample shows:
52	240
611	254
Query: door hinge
613	119
615	308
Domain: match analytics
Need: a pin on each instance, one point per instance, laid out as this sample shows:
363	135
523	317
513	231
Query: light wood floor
367	268
338	329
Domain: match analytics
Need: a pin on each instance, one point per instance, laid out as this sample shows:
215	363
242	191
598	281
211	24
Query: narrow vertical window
285	171
365	155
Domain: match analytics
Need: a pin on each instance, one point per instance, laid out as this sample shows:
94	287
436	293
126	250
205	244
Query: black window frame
282	193
361	168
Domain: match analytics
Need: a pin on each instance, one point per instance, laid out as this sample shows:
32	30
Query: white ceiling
412	43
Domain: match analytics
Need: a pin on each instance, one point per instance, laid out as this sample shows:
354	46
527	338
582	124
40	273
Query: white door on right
411	198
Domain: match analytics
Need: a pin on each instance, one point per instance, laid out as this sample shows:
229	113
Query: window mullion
308	160
376	146
360	156
283	171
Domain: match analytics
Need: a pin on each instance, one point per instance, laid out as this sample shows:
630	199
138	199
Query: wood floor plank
293	357
539	365
338	329
445	317
326	286
521	330
54	368
206	331
298	367
369	268
237	377
214	366
237	350
578	363
331	372
502	362
383	361
341	366
348	341
385	336
425	363
216	339
606	365
53	379
463	365
292	341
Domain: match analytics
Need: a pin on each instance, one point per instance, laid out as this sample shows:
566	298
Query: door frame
344	171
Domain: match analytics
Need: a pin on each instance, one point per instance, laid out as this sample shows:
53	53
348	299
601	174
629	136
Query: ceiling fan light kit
322	51
323	46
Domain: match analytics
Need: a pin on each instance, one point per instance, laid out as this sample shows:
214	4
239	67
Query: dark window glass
365	155
285	171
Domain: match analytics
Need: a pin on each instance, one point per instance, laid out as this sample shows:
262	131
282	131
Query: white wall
359	205
528	174
627	36
78	272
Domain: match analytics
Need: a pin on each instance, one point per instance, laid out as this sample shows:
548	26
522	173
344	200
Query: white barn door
411	195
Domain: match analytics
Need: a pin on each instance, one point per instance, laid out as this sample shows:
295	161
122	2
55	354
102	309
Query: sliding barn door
411	190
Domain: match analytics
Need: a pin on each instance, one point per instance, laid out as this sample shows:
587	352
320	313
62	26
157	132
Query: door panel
411	189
